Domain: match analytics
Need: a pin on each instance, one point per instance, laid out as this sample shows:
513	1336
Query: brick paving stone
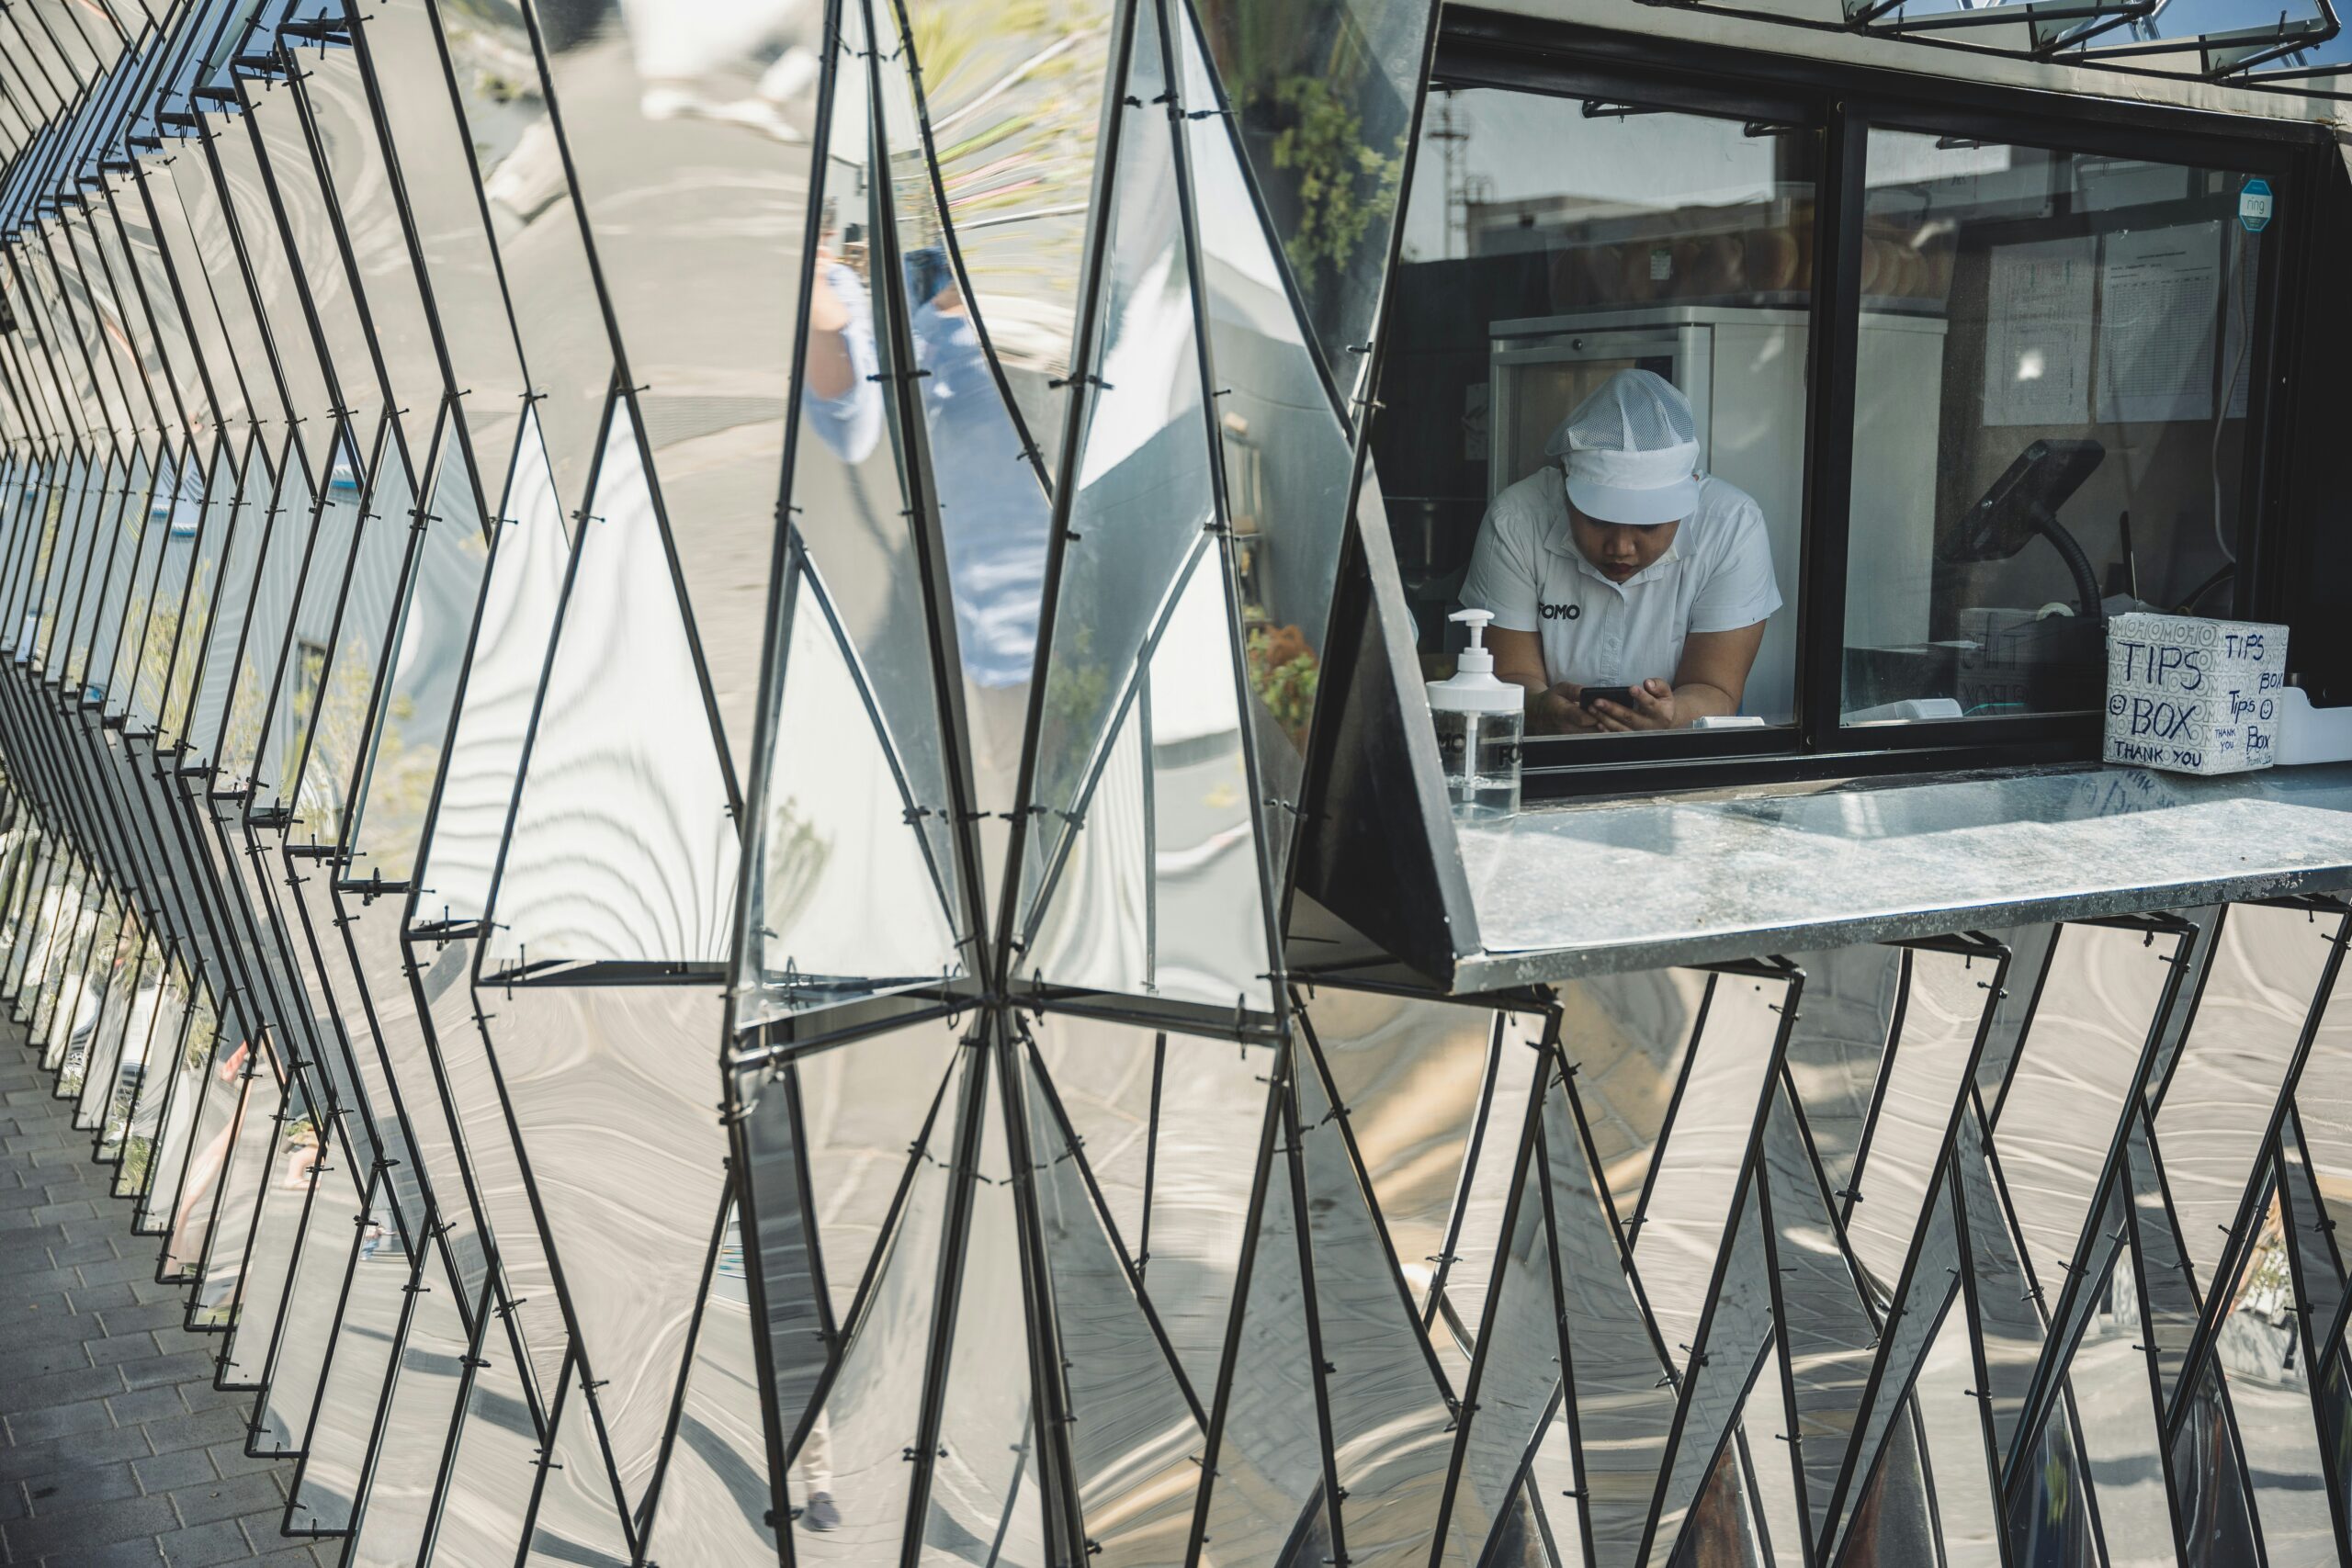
204	1396
115	1449
30	1281
179	1367
199	1430
169	1314
127	1520
124	1270
86	1486
59	1421
139	1553
199	1546
166	1472
63	1388
87	1249
31	1462
39	1360
147	1405
147	1288
228	1499
31	1248
232	1460
21	1329
125	1348
103	1298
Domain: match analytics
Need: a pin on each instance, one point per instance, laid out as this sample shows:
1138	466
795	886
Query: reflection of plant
2268	1282
199	1039
1076	688
1344	186
1283	671
795	864
400	785
135	1153
335	748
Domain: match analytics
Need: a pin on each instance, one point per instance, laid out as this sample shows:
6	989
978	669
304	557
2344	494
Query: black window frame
1481	49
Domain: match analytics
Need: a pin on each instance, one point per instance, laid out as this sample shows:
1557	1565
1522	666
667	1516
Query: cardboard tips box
2194	696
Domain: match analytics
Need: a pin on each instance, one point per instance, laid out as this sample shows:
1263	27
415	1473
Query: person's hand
1653	709
1561	711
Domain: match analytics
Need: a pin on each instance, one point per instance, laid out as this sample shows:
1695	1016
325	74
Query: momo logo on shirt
1561	611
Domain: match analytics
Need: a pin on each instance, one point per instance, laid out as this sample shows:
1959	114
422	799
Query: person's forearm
1538	721
1697	699
831	371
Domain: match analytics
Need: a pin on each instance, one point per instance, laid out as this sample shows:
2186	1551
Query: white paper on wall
2038	333
2158	292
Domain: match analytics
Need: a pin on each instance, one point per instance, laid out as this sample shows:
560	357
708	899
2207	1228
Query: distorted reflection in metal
621	848
403	627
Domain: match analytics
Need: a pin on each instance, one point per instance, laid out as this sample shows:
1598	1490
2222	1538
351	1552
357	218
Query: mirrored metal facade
660	719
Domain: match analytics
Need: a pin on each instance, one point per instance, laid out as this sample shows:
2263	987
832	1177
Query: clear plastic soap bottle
1479	721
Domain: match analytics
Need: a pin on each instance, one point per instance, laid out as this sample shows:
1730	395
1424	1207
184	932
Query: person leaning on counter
1622	565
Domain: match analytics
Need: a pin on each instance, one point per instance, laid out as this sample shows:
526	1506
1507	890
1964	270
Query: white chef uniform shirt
1526	569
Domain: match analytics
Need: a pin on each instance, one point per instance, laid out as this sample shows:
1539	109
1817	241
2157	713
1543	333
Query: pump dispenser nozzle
1478	659
1473	688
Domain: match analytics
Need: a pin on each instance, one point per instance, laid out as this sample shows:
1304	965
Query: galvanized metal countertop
1595	886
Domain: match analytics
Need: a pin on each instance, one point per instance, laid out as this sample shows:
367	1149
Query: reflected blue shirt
992	512
992	509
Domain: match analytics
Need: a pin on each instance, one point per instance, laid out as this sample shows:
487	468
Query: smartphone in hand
1622	695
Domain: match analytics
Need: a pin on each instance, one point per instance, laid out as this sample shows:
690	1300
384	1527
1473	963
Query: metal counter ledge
1595	886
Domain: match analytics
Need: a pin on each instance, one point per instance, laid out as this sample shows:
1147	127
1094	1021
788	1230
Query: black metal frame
1486	50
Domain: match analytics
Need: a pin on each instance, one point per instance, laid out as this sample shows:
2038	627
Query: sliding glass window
1837	425
2051	388
1596	406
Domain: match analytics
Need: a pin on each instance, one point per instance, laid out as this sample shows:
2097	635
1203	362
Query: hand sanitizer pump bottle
1479	723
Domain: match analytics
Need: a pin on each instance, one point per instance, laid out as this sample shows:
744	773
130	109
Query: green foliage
1344	186
1076	693
1285	671
136	1154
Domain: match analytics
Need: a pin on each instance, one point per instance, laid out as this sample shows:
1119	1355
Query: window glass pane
2050	418
1642	278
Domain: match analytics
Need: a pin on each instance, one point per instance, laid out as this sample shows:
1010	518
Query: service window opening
1641	249
2053	355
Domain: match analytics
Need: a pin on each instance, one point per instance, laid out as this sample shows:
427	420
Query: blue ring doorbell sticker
2254	206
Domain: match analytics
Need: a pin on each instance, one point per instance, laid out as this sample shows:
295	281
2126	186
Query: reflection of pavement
1203	848
723	204
2110	1384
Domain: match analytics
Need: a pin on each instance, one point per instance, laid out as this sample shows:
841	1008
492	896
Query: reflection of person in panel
838	394
994	516
1636	572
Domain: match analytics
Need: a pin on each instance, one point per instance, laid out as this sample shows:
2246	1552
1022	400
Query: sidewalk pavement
115	1448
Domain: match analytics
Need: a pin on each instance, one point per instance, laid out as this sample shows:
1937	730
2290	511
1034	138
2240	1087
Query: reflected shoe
792	72
763	115
531	175
821	1513
670	101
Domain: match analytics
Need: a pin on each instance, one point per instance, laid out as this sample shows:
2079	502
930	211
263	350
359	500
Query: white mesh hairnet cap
1631	451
